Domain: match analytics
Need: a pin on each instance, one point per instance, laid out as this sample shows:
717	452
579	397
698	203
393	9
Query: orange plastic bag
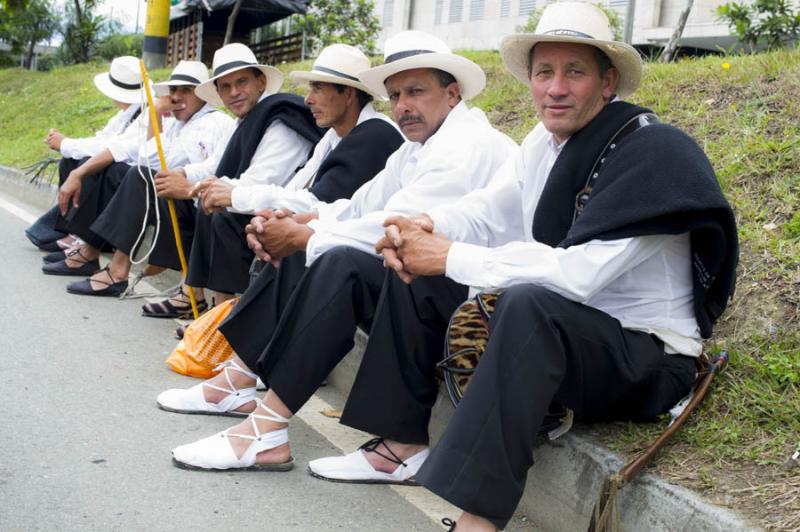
203	347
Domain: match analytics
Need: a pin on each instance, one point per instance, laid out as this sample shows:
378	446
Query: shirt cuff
66	148
240	199
439	223
466	263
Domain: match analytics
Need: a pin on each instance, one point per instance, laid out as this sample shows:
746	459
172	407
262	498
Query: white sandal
193	401
215	453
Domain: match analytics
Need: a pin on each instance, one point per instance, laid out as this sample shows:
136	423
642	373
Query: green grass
747	119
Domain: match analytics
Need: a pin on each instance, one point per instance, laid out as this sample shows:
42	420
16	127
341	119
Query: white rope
149	180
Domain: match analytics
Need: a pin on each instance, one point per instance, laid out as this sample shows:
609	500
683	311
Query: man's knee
530	299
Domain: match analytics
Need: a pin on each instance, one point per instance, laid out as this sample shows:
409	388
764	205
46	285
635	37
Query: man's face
241	90
328	105
419	102
567	88
184	94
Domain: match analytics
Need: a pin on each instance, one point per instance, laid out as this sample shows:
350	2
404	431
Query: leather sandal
193	401
215	453
55	256
167	309
89	267
84	288
355	469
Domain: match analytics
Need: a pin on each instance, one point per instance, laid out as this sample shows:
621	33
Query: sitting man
451	150
273	137
116	85
195	130
88	188
613	251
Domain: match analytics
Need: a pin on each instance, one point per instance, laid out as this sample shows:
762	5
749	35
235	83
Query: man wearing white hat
192	132
272	137
613	251
353	150
123	85
89	187
450	151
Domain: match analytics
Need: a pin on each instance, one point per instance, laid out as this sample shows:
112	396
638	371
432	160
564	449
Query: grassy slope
745	118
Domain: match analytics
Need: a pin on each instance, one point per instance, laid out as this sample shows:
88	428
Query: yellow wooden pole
172	215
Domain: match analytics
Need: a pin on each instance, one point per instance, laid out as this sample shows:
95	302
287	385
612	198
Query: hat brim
119	94
514	49
208	91
301	76
470	77
162	88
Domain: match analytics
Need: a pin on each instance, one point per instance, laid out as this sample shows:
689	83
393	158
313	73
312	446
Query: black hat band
184	77
334	72
403	55
128	86
230	66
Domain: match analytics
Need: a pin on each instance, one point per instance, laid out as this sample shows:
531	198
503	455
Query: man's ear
453	94
610	82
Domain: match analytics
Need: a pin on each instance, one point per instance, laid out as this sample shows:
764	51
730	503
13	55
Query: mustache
409	118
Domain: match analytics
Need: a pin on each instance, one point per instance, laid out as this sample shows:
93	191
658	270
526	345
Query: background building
480	24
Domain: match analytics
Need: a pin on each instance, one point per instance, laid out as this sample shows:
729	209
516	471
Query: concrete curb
563	483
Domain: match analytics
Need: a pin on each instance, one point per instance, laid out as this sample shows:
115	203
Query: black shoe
55	256
60	268
84	288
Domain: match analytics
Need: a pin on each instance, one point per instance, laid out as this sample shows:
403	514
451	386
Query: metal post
630	13
156	32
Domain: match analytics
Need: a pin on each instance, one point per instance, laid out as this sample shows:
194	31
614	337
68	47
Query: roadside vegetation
743	111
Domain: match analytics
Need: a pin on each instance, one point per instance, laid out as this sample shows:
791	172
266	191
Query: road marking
24	215
340	436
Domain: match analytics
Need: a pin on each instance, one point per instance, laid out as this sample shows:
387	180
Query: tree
771	22
81	31
613	19
671	49
24	28
341	21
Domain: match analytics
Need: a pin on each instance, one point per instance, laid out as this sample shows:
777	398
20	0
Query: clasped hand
273	235
411	248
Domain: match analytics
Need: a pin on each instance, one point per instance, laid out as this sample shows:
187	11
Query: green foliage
341	21
24	28
613	18
6	61
80	33
770	22
116	45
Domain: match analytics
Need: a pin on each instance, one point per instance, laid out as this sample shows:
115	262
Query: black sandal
112	289
167	309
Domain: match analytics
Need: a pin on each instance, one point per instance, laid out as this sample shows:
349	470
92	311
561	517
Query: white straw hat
337	63
123	81
416	49
580	23
185	73
231	58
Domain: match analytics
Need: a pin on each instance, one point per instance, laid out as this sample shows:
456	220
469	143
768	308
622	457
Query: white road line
23	214
342	437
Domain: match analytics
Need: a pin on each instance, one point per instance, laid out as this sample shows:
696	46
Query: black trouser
121	222
543	347
220	258
96	192
253	320
344	289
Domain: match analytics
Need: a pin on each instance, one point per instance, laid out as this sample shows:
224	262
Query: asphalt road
83	446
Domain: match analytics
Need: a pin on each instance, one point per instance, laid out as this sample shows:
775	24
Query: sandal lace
446	521
225	367
271	439
372	447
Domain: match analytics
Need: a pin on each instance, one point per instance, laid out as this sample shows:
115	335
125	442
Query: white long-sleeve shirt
296	195
187	142
124	148
91	146
280	152
463	155
644	282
